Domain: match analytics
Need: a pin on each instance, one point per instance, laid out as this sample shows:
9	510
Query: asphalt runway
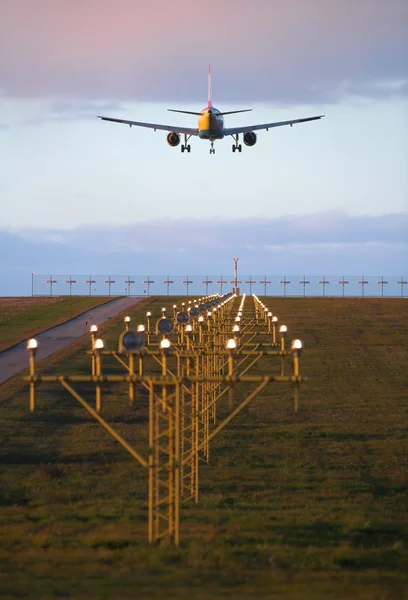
16	359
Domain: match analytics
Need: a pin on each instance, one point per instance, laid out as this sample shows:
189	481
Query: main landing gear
186	147
212	149
236	146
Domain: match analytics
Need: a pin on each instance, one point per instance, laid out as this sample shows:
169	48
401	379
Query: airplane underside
210	135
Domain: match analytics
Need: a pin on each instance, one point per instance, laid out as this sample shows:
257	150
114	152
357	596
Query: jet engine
173	139
250	138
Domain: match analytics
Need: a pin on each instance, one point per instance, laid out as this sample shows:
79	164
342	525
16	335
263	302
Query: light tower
235	289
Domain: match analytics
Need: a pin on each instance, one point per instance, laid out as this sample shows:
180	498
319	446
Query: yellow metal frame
183	401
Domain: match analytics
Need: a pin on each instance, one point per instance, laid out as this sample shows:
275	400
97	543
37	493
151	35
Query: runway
15	359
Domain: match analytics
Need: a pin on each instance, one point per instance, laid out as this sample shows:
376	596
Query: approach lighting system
132	342
185	380
164	326
127	319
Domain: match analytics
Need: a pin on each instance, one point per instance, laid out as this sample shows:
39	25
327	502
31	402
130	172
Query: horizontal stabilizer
186	112
233	112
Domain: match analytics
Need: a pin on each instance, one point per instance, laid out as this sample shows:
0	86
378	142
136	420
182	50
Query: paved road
14	360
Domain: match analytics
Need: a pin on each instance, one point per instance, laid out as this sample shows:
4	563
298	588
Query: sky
81	195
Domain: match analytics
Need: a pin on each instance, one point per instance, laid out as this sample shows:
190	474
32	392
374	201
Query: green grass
308	505
22	318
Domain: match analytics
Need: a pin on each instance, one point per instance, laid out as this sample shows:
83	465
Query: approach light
182	317
235	329
274	319
164	326
283	330
165	344
237	319
231	344
200	319
127	319
132	342
296	346
98	344
140	328
32	344
188	328
148	314
93	328
269	314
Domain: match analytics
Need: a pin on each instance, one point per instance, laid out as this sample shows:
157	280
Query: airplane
211	126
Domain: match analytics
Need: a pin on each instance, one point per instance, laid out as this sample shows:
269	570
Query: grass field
309	505
24	317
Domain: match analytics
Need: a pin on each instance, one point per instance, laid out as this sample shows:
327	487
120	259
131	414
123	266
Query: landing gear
236	146
212	149
186	146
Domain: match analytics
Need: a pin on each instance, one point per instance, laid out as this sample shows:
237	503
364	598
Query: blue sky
81	195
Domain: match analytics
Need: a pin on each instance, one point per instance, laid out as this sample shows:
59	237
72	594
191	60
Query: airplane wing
187	130
235	130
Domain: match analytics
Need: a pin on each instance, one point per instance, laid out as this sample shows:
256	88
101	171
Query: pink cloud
160	49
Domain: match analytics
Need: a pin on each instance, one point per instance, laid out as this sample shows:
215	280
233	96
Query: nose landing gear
212	149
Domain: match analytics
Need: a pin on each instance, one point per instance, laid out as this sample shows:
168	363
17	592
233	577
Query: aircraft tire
182	148
240	148
189	148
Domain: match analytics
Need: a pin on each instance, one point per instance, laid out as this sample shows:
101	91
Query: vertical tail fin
209	86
